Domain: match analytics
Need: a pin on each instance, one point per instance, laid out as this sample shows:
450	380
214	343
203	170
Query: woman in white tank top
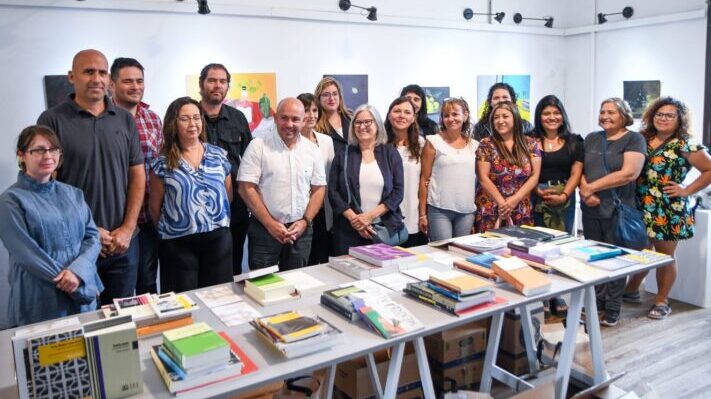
448	178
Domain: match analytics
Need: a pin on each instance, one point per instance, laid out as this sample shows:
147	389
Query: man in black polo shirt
229	129
102	156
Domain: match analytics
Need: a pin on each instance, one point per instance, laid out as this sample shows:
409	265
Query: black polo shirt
97	152
230	131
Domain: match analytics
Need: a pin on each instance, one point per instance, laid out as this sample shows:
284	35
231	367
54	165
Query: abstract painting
521	85
434	97
355	89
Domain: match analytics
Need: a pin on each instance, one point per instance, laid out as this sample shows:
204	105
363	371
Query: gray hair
381	136
622	107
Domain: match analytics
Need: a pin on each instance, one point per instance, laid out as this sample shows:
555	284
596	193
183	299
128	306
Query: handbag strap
615	196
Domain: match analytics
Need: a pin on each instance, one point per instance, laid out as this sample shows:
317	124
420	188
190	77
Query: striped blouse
194	201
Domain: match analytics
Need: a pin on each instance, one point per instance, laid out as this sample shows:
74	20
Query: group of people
106	189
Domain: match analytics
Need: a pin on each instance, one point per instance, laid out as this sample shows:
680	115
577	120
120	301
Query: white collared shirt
284	176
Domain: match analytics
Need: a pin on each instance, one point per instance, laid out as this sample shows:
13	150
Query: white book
302	281
369	286
218	296
612	264
236	313
394	281
424	273
576	269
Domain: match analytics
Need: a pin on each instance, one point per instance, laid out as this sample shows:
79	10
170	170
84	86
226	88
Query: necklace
550	143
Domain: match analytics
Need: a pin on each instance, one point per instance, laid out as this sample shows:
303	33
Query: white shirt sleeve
250	169
318	178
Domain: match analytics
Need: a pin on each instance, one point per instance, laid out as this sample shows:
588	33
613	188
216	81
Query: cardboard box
353	379
554	333
512	349
456	343
462	373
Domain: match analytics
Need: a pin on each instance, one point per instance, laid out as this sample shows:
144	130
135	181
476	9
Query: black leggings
196	261
609	295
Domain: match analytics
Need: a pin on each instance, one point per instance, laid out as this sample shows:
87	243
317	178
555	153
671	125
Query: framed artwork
521	85
639	93
355	89
56	89
434	97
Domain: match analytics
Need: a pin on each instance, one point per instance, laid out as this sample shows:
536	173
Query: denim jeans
118	273
147	259
444	223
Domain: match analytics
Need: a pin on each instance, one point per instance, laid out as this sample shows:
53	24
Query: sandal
659	312
632	297
558	306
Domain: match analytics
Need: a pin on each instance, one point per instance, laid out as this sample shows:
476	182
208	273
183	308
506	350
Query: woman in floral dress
671	153
508	165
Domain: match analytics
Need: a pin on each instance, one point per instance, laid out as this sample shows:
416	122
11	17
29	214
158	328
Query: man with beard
228	128
127	87
102	157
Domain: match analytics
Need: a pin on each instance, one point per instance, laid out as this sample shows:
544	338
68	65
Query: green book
268	279
197	346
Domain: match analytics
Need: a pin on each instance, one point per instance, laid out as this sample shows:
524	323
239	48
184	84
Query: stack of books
385	316
521	276
383	255
196	356
293	334
358	269
533	252
535	233
478	243
454	291
269	289
479	264
154	313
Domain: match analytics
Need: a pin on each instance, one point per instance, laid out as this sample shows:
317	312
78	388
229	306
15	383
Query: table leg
565	361
329	381
373	371
394	371
424	368
595	337
492	350
528	338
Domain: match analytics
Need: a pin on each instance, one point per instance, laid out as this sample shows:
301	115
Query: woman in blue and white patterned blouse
190	203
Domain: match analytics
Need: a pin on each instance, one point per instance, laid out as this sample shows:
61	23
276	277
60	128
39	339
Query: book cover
469	267
218	296
484	259
170	305
576	269
521	232
290	326
196	345
423	273
381	254
351	266
328	337
58	365
596	252
460	282
552	232
157	328
265	280
385	316
523	244
645	256
521	276
480	243
394	281
115	361
612	264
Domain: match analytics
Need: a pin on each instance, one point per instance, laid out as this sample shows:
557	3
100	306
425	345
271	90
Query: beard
211	97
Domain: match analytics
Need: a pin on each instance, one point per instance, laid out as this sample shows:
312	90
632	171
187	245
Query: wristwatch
309	222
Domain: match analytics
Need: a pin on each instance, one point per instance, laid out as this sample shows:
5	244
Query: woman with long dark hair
498	92
404	135
671	153
508	165
419	99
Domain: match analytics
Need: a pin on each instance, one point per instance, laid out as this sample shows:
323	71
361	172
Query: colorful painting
355	89
252	93
434	98
56	89
639	93
520	83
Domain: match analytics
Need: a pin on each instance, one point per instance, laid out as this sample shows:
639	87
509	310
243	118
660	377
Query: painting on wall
639	93
521	85
355	89
56	89
252	93
434	97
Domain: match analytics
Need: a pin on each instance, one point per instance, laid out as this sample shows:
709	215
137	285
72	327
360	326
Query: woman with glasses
419	99
671	153
508	164
333	116
404	135
448	178
365	185
498	92
50	235
190	202
323	221
614	158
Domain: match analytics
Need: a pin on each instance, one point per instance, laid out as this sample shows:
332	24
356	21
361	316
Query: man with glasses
283	182
102	157
127	87
228	128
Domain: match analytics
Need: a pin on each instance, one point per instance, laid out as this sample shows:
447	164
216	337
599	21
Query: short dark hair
307	99
123	62
29	133
208	67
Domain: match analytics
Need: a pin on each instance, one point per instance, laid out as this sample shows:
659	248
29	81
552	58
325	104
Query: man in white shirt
283	182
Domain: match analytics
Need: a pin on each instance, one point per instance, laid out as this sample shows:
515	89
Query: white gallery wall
417	41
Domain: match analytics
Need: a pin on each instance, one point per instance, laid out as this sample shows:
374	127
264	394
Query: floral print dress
508	179
667	219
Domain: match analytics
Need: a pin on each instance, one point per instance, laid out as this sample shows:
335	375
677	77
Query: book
218	296
382	255
645	256
480	243
521	276
337	300
114	359
385	316
595	252
302	281
482	271
196	345
522	232
612	264
424	273
369	286
423	292
178	382
394	281
556	234
290	326
527	256
460	283
269	288
355	268
484	259
576	269
170	305
545	250
169	324
523	244
137	306
234	314
328	337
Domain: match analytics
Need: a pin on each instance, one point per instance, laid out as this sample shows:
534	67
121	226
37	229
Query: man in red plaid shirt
127	87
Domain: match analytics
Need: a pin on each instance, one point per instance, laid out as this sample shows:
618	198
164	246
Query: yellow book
521	276
291	326
460	282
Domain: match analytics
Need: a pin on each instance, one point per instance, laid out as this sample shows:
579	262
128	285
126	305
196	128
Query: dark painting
639	93
355	89
56	89
434	98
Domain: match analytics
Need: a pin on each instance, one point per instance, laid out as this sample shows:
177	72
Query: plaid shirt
150	133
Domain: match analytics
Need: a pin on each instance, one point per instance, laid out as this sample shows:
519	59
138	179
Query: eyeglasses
54	151
662	115
364	123
186	119
330	95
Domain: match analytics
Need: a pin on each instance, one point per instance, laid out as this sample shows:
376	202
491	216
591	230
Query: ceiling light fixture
202	7
518	18
468	14
372	15
626	12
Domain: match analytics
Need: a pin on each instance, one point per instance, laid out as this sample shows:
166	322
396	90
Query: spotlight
626	12
468	14
372	15
518	18
202	7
